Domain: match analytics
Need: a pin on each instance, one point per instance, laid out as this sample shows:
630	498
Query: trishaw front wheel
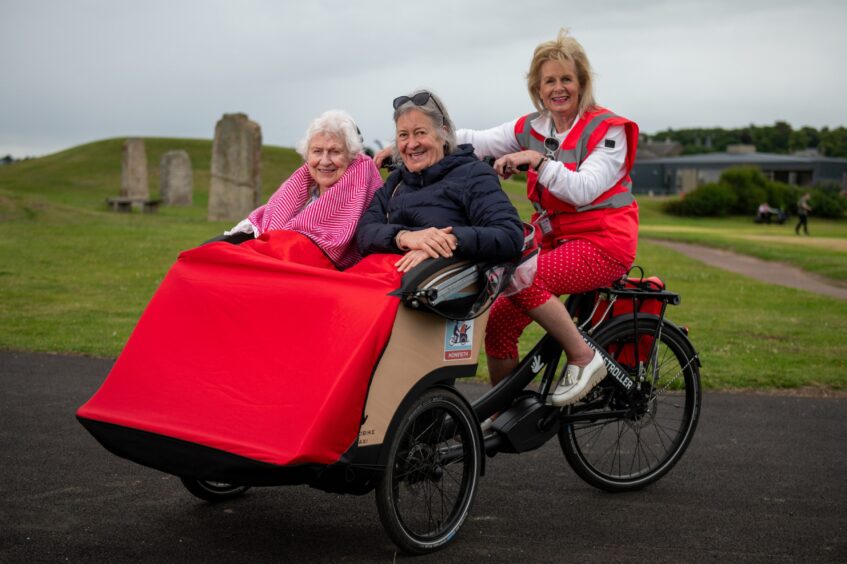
432	471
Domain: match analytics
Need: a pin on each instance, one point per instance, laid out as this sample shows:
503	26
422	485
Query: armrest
458	288
452	287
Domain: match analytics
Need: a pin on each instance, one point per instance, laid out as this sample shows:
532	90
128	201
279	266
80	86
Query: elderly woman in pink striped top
325	198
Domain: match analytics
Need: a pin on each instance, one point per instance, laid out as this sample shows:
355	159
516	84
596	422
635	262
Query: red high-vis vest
611	220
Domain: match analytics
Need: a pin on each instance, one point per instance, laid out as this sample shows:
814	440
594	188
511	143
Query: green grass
824	253
75	277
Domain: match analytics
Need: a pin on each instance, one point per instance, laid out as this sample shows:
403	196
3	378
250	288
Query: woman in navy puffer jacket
442	201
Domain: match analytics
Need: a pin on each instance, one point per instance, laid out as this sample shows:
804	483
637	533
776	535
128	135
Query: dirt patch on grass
9	209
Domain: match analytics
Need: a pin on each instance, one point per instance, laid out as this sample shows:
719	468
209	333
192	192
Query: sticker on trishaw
458	339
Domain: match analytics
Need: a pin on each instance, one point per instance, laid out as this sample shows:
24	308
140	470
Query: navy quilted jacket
459	191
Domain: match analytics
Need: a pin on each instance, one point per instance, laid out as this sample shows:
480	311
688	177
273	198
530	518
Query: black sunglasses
551	145
419	99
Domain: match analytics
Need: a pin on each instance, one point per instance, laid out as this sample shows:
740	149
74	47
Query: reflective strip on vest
576	156
619	200
570	156
582	143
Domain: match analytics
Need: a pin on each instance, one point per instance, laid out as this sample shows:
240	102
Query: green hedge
741	190
708	200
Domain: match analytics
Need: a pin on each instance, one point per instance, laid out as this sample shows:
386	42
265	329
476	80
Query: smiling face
417	142
559	90
327	159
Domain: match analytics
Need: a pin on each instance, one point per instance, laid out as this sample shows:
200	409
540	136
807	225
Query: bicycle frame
526	421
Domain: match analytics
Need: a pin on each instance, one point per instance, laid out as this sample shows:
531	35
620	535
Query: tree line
778	138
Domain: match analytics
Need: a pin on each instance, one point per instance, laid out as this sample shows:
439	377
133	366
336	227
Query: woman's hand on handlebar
507	165
382	155
435	242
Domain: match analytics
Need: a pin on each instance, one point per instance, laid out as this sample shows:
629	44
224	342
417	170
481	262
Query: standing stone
235	188
134	170
176	181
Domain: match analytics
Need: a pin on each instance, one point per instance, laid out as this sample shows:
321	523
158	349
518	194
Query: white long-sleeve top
603	168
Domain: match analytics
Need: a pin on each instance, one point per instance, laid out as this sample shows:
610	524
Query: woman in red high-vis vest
579	156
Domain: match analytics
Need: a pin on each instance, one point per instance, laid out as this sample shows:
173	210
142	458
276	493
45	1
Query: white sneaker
577	381
487	426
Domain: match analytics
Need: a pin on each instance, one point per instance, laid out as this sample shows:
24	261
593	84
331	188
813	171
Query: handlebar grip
490	162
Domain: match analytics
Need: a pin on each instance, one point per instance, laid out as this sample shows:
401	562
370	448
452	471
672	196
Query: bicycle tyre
432	472
213	491
628	454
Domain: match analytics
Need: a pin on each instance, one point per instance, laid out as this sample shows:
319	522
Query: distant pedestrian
803	209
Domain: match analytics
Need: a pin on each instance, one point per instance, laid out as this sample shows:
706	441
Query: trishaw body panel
419	345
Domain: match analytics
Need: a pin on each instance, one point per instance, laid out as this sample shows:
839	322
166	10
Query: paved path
766	271
763	481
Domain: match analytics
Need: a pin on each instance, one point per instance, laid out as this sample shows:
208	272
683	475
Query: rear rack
671	298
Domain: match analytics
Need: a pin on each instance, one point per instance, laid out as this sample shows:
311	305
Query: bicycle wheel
213	491
624	454
432	472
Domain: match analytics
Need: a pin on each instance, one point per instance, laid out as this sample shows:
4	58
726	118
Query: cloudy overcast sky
75	71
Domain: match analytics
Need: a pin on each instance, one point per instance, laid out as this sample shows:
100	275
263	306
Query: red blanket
263	350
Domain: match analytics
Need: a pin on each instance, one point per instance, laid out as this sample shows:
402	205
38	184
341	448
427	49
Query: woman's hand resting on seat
410	260
427	243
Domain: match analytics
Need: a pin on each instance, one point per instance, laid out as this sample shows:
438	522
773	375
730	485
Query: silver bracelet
397	239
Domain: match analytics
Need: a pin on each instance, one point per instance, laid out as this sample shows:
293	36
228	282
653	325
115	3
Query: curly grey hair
337	123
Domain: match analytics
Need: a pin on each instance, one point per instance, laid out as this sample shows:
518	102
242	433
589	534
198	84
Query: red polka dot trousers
573	267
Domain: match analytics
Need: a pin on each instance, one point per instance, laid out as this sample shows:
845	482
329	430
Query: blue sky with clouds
81	70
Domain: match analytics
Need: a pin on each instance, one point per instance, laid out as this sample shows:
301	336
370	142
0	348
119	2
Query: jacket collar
462	155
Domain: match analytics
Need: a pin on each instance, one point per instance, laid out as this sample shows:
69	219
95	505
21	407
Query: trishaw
409	435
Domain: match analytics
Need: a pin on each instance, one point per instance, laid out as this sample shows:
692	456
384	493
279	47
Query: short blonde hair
563	48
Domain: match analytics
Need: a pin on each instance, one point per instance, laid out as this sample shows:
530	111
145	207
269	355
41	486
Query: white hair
338	123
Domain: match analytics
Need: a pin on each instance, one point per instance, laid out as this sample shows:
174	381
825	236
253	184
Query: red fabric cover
243	349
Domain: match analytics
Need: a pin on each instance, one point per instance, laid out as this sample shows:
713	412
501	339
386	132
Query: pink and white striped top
331	220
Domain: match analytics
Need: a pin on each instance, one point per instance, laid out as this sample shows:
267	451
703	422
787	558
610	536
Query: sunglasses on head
419	99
